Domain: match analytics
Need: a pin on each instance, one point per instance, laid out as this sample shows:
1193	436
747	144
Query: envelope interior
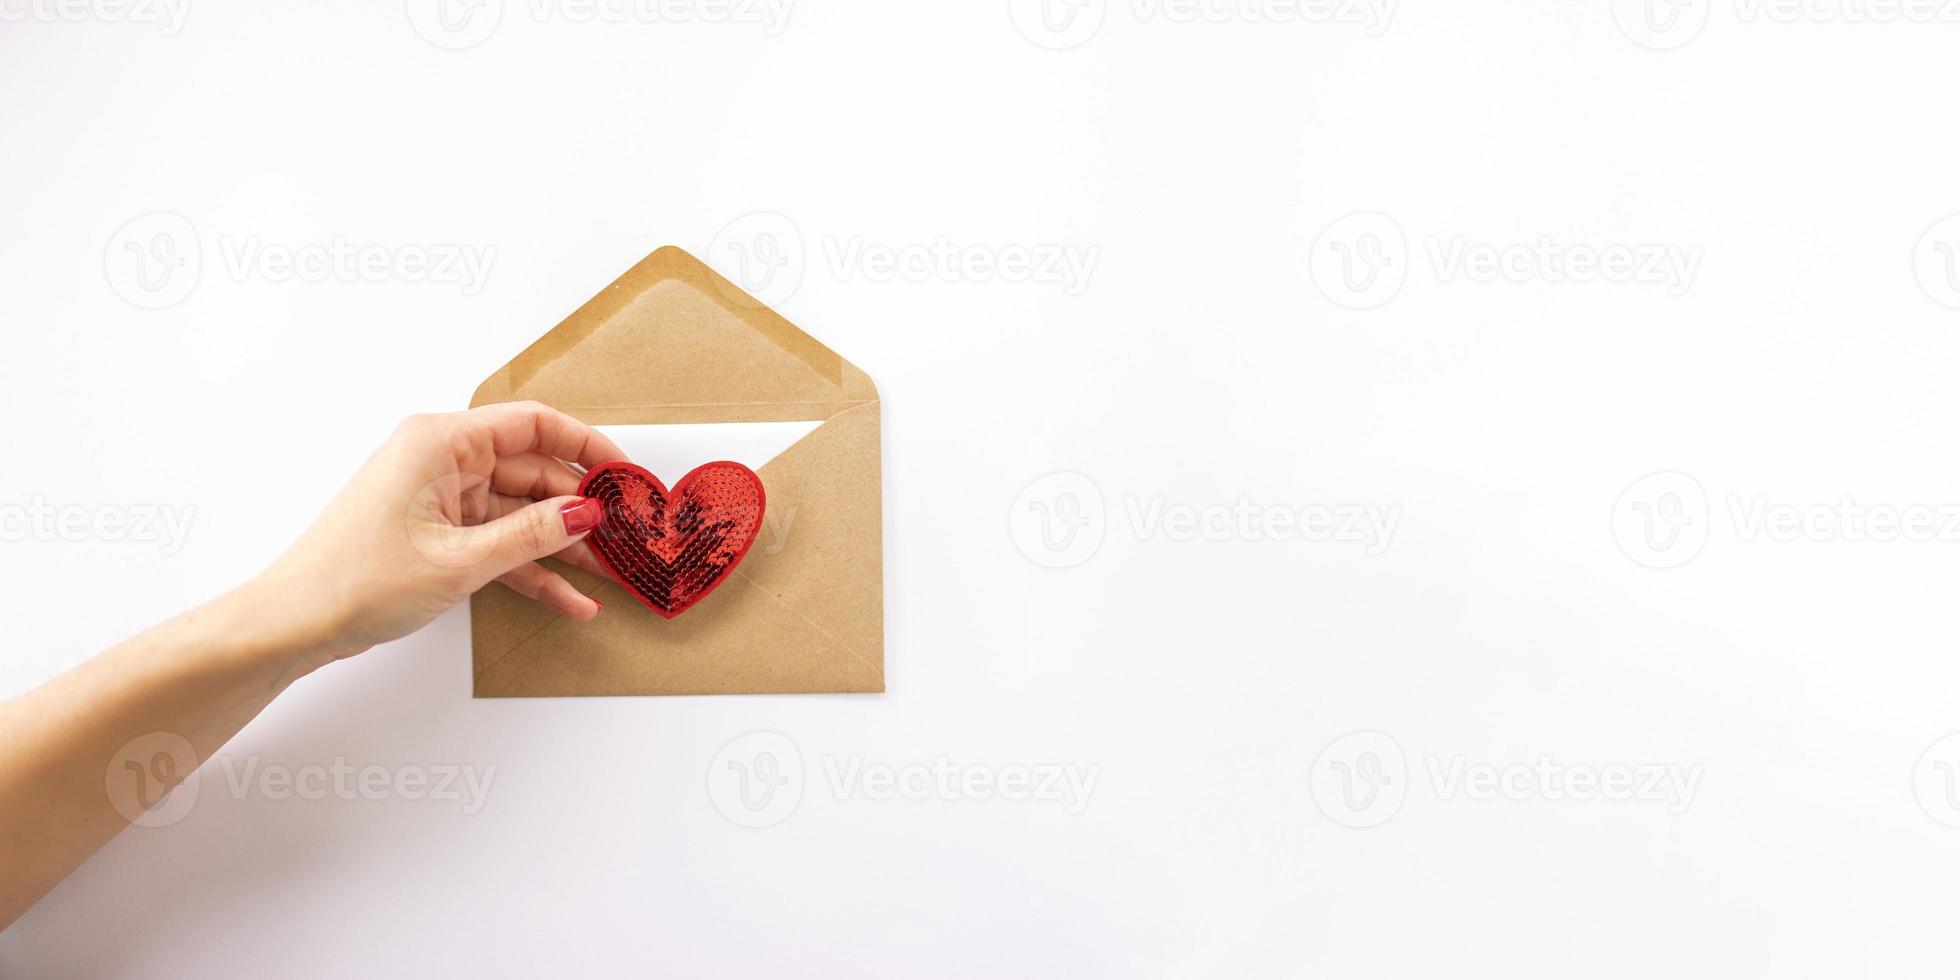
671	450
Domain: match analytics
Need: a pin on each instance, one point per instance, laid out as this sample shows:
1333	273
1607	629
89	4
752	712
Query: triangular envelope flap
673	341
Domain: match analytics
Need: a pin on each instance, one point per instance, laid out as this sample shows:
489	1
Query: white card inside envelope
670	451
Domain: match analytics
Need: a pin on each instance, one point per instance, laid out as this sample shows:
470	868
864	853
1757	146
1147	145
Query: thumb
533	532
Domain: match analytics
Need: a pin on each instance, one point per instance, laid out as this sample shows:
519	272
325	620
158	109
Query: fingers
532	532
537	582
533	475
524	427
579	554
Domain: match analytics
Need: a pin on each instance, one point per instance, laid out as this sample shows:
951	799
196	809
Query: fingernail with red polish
583	515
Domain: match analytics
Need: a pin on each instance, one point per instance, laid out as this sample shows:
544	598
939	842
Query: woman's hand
449	504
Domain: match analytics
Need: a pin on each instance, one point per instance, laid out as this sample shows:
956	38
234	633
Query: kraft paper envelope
671	342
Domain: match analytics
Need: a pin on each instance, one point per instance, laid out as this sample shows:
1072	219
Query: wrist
277	630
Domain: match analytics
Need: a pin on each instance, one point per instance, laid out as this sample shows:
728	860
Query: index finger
524	427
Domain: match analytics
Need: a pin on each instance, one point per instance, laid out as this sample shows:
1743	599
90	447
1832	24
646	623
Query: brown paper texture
672	341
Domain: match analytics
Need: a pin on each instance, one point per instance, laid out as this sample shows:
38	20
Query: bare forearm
199	677
392	551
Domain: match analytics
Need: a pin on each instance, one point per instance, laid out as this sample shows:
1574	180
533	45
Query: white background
1514	614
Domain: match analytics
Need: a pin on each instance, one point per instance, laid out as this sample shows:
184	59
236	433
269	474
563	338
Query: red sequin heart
672	548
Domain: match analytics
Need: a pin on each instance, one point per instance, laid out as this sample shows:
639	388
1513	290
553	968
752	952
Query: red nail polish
601	605
583	515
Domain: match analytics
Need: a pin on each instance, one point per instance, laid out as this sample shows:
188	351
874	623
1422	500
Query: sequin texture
672	548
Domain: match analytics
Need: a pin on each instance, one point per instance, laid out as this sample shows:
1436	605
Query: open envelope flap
671	341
